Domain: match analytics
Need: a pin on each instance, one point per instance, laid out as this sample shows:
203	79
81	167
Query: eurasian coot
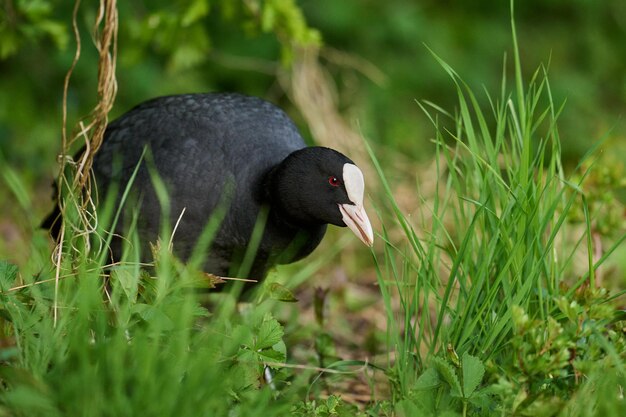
241	150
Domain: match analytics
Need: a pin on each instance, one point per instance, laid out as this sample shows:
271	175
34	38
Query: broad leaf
270	333
281	293
272	355
446	371
428	380
473	372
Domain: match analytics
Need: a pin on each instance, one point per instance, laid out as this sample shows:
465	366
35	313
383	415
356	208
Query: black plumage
241	150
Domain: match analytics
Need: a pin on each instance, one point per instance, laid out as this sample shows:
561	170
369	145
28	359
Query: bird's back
213	131
204	147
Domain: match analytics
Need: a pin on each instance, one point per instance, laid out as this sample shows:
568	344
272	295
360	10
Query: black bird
208	148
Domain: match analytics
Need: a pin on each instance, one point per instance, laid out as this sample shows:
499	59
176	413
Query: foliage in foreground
150	349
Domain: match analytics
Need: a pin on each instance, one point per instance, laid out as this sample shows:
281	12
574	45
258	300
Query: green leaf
243	335
332	402
281	348
406	408
447	373
270	333
473	372
128	280
192	53
16	184
272	355
281	293
428	380
57	32
247	372
9	43
196	11
153	314
268	18
325	345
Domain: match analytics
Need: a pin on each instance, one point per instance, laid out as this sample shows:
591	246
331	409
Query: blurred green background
376	52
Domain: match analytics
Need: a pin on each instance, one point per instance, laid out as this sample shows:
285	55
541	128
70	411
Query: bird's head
318	185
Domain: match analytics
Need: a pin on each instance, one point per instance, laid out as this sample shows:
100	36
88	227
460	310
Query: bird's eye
334	181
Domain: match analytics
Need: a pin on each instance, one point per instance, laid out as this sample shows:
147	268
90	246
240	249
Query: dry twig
90	129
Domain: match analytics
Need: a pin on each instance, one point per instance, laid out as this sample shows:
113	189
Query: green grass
489	309
488	273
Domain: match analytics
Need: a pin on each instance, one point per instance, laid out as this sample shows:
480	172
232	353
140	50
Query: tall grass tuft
488	282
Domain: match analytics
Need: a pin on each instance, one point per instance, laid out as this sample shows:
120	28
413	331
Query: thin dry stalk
90	129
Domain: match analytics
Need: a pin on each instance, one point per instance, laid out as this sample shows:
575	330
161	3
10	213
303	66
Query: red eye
334	181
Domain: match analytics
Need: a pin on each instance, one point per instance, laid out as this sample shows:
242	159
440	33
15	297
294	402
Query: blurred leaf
28	21
247	372
30	401
281	347
325	346
128	280
272	355
187	56
57	32
268	19
243	334
196	11
270	333
9	43
319	301
281	293
15	182
428	380
153	314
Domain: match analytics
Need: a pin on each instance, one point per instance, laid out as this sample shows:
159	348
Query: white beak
356	219
353	214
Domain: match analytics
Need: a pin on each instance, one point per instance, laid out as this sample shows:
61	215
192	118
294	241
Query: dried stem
91	130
